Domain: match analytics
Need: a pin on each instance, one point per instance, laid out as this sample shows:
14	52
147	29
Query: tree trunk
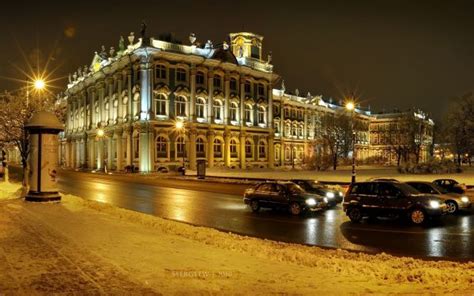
334	161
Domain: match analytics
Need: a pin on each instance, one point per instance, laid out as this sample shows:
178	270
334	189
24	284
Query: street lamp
39	84
180	127
351	107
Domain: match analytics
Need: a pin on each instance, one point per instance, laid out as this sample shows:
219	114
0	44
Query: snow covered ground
85	247
342	174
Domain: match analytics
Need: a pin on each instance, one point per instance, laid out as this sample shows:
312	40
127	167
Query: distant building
123	108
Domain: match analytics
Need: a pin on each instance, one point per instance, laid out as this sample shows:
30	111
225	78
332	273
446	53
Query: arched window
217	110
276	127
200	78
287	129
233	148
261	115
248	149
180	104
277	152
181	75
160	104
217	148
160	72
200	148
234	111
180	148
161	147
300	131
262	149
287	153
248	113
294	131
217	81
200	108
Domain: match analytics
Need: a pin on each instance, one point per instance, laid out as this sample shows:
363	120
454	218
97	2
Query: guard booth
43	130
201	168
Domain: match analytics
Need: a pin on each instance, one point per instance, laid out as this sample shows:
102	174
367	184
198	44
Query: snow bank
407	275
10	190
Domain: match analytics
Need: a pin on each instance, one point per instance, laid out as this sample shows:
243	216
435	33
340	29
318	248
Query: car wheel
295	208
417	216
354	214
255	206
452	206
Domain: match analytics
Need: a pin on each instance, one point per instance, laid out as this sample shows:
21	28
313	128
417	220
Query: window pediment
218	94
162	89
181	91
201	92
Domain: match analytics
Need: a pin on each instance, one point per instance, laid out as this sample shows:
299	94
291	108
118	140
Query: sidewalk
83	247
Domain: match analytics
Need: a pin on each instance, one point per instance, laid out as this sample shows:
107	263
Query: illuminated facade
122	110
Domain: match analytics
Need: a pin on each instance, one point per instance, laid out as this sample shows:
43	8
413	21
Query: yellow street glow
350	106
39	84
179	124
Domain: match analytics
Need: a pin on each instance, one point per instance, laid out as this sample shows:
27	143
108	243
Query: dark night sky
394	53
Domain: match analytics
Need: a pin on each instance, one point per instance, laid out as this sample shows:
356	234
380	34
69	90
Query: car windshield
293	188
406	189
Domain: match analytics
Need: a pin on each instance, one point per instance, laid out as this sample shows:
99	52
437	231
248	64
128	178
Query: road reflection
452	238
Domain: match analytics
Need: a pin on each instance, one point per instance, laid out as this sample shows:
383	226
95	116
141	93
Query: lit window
217	148
234	111
160	104
248	113
180	148
261	115
161	147
180	103
217	110
248	149
200	108
233	148
262	150
200	148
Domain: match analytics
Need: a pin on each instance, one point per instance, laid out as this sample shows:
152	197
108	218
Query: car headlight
325	200
465	199
434	204
311	202
330	195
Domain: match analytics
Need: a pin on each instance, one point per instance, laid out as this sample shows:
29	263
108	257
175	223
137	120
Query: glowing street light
100	133
39	84
351	107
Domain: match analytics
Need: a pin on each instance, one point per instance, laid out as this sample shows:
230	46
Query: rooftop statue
103	54
70	78
121	46
192	38
131	38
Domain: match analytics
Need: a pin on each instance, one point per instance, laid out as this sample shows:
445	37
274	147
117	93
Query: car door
264	194
368	199
394	201
280	196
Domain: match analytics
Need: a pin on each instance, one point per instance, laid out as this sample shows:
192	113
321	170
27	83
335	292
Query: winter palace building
153	104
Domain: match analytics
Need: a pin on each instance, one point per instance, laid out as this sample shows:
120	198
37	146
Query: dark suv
392	199
283	195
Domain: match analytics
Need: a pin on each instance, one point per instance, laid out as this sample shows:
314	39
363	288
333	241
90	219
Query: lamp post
350	107
180	127
100	152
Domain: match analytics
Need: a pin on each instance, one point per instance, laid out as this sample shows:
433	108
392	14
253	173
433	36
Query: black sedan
334	196
283	195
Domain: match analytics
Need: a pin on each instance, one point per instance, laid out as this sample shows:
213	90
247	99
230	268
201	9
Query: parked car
334	196
450	185
391	199
277	194
454	201
383	179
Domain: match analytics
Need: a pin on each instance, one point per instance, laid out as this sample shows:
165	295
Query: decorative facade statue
192	38
208	44
103	54
112	51
283	88
70	78
121	46
225	46
131	38
241	51
85	70
297	92
79	72
269	57
74	76
143	30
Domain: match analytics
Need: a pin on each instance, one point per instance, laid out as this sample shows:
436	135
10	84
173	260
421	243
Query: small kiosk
43	130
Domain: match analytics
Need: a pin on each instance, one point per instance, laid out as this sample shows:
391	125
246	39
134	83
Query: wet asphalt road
220	206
